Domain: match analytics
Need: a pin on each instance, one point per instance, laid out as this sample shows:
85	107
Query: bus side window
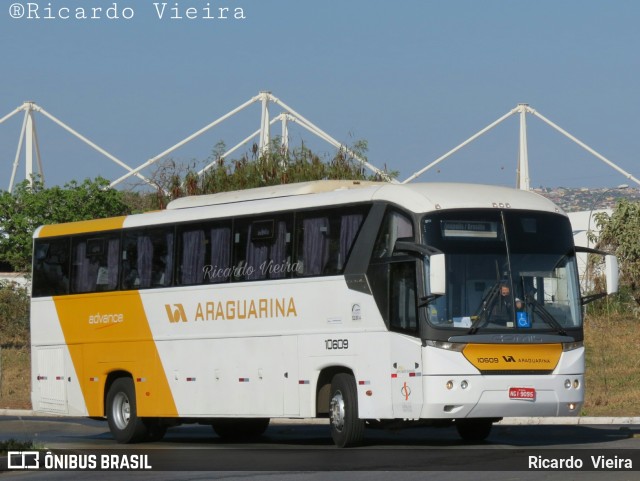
403	310
263	249
313	245
393	277
219	267
204	253
394	226
350	224
325	240
147	259
107	279
193	244
95	263
51	267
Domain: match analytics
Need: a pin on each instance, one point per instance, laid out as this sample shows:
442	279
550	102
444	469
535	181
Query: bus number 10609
335	344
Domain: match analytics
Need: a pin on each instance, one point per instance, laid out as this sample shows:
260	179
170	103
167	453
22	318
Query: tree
620	235
30	206
272	167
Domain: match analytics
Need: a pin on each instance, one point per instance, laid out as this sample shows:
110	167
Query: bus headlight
447	346
571	346
567	383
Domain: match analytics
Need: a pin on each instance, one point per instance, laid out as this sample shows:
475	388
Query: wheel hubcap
336	411
121	410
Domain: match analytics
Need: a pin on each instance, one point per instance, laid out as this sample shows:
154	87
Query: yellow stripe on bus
82	227
107	333
513	357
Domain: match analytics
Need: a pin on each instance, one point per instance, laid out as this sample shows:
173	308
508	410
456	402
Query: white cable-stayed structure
523	180
28	138
287	115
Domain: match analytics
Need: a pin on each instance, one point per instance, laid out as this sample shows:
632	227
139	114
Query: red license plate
525	393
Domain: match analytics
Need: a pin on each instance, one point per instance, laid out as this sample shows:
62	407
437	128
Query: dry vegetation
15	387
613	369
613	366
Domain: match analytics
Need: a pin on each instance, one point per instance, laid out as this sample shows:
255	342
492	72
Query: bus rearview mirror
611	273
437	275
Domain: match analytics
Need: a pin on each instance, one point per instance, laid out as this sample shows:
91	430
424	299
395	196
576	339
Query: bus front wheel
124	423
346	428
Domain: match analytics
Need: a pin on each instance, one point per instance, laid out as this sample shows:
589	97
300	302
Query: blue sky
414	78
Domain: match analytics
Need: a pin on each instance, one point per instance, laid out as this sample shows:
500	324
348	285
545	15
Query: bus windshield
506	270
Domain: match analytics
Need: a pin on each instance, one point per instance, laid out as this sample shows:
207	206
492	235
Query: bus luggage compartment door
51	380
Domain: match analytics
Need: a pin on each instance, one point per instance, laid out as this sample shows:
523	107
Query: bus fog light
464	384
571	406
576	383
567	383
449	385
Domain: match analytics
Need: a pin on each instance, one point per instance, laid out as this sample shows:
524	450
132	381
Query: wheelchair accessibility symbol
523	319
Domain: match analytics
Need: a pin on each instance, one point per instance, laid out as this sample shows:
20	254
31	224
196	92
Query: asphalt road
295	450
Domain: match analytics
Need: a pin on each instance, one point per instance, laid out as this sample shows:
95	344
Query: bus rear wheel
346	428
240	429
474	430
124	423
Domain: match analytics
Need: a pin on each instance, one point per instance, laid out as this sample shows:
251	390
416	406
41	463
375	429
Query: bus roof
270	192
415	197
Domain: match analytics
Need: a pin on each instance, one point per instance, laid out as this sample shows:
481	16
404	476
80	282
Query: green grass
15	445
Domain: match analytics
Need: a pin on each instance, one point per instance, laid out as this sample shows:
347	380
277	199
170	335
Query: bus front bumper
496	396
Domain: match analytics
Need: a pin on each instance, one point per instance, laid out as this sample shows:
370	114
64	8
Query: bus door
406	347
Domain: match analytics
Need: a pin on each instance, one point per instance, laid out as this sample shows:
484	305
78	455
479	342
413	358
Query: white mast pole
16	160
265	133
523	157
285	133
28	148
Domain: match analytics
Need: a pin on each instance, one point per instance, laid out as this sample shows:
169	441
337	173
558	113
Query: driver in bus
503	310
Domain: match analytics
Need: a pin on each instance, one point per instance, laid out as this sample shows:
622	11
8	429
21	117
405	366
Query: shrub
14	314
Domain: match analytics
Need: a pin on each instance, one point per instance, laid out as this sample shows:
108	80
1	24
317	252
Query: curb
520	421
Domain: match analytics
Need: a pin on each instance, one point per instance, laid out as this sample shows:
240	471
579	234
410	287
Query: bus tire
347	429
240	429
124	423
474	430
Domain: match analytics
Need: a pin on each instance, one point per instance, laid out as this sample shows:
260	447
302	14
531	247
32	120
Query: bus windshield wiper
485	306
545	315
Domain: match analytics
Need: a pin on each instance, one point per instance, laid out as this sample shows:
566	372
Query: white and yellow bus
372	304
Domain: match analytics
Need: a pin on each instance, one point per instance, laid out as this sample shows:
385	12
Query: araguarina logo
176	313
